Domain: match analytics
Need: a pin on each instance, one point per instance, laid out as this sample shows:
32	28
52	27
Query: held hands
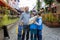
21	23
32	20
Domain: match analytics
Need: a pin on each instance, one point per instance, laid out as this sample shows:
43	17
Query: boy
33	30
20	28
19	31
39	26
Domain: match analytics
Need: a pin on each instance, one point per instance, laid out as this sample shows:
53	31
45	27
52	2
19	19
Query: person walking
6	34
39	26
25	16
4	27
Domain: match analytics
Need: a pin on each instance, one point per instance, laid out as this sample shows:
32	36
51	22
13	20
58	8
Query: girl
39	26
33	30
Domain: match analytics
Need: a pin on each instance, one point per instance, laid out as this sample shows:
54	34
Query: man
25	19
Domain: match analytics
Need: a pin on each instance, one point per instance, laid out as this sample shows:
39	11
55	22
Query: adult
42	11
46	7
54	8
4	26
25	16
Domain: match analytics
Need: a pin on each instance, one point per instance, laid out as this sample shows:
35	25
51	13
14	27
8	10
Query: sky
29	3
42	4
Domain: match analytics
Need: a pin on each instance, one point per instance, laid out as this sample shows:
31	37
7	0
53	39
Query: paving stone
1	34
48	33
51	33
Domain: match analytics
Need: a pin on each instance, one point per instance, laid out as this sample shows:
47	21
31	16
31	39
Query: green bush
51	18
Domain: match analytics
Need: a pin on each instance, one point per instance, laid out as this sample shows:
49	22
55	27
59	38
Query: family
34	30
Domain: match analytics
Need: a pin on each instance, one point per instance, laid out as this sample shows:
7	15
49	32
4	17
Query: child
39	26
33	30
20	31
20	28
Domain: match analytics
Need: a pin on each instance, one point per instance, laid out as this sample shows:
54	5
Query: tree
49	1
38	5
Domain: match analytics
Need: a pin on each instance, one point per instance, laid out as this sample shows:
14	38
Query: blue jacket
39	23
20	28
33	26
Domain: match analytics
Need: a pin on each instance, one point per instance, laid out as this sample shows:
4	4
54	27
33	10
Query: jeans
19	37
39	34
25	32
33	32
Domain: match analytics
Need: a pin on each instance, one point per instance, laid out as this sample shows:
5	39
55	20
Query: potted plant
48	20
51	20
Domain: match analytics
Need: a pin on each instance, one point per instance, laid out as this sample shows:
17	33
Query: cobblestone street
12	33
48	33
51	33
29	13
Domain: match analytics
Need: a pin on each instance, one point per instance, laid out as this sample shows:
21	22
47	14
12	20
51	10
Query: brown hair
39	14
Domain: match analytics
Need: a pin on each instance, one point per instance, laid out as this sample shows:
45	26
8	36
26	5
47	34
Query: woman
39	26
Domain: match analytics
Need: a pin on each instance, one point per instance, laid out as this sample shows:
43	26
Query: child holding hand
19	31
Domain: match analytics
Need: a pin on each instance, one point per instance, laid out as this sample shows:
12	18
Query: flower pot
56	24
52	24
48	23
